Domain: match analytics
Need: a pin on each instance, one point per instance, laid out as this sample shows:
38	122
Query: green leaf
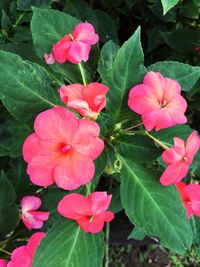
25	87
166	136
155	209
138	148
168	4
195	224
9	214
66	245
50	199
12	136
48	27
107	29
19	178
182	40
26	5
116	204
107	57
184	74
191	10
127	70
137	234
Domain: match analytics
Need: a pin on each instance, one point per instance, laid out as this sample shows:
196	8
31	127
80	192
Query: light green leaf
127	70
168	4
155	209
9	214
66	245
184	74
48	27
137	234
25	87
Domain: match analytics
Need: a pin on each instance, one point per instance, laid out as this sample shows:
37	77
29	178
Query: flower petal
78	52
29	203
41	170
100	202
34	242
69	206
86	139
95	95
61	48
85	33
192	144
71	92
174	173
56	125
73	171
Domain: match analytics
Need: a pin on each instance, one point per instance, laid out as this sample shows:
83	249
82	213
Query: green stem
88	189
107	245
134	126
82	73
156	140
5	251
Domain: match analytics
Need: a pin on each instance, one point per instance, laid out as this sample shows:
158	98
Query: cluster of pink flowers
63	147
159	101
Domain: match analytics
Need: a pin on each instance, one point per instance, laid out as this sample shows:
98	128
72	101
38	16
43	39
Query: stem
5	251
82	73
156	140
88	189
107	245
134	126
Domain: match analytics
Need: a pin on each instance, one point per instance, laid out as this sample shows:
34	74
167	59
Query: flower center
71	37
64	148
184	159
164	103
91	218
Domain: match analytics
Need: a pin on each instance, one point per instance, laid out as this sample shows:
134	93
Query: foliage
167	41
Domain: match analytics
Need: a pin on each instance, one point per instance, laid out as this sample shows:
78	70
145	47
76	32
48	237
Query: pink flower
89	212
3	263
23	256
159	102
179	158
62	149
190	195
87	100
74	47
31	218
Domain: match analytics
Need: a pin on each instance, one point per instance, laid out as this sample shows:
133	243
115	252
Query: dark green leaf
26	5
166	136
26	87
184	74
107	57
127	70
106	26
191	10
138	148
9	214
155	209
182	40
